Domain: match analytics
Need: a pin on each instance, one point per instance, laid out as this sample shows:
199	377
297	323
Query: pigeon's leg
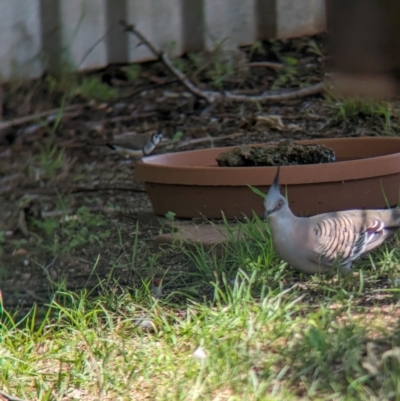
345	269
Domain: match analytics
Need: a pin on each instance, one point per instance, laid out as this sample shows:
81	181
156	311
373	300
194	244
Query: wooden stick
267	64
276	97
212	96
27	119
208	138
162	56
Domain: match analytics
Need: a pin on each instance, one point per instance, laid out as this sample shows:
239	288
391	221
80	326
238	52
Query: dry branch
266	64
162	56
133	116
35	116
215	97
208	139
65	190
195	141
276	97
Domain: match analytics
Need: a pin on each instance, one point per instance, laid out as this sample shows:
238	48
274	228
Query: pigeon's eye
279	204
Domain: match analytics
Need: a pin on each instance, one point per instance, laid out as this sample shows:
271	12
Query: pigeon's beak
267	213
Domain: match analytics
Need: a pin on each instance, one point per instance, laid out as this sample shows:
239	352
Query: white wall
37	33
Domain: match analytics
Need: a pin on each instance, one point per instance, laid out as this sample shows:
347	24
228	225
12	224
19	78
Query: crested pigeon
319	243
137	145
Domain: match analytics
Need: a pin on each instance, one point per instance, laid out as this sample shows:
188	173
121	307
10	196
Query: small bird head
156	138
274	201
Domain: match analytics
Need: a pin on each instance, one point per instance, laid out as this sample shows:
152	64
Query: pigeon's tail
395	218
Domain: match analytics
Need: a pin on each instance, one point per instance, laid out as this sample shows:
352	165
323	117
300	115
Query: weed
219	71
58	236
133	72
50	162
177	136
257	48
314	48
182	65
287	74
93	88
170	215
348	108
61	79
351	107
217	66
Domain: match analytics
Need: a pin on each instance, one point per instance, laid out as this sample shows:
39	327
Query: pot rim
155	169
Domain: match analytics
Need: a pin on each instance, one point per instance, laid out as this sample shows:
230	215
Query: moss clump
285	153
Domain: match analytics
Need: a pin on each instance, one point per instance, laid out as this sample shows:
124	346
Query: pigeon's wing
340	239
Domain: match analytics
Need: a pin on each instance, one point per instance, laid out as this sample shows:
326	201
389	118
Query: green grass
380	112
93	88
133	72
267	333
58	235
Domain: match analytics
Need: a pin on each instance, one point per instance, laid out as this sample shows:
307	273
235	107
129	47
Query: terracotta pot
191	184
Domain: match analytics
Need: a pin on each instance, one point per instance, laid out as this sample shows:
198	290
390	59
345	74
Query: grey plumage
319	243
137	145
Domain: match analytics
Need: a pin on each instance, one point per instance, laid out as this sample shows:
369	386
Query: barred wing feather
342	239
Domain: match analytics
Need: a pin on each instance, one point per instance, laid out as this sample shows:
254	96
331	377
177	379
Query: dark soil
286	153
52	175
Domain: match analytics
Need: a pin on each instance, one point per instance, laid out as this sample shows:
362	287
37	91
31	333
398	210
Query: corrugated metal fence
36	34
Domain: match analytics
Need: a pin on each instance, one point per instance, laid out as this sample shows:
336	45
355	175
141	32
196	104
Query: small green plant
94	88
170	215
257	48
133	72
177	136
314	48
195	59
219	72
61	79
354	107
50	161
60	235
287	74
181	64
348	108
218	65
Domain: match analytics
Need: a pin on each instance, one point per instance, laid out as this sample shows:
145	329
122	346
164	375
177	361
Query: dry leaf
269	121
294	127
19	251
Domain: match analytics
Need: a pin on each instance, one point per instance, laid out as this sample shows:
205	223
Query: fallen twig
208	139
162	56
215	97
146	88
267	64
276	97
56	191
31	117
105	188
133	116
